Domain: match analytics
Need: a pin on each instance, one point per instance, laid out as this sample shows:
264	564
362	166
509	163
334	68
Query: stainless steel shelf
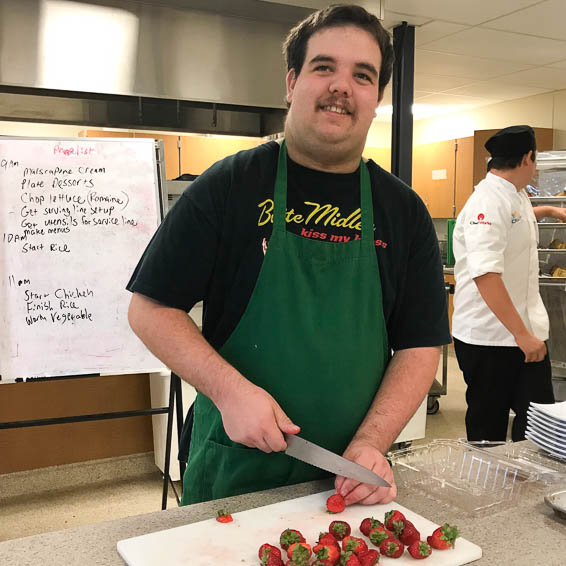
547	200
551	251
553	225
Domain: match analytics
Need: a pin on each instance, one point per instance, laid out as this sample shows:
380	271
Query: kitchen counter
528	534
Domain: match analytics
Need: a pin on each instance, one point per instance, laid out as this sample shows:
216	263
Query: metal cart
439	388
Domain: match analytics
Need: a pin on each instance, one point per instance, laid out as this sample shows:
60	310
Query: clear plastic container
461	475
547	469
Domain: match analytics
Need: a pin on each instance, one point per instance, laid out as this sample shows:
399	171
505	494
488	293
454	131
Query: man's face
334	97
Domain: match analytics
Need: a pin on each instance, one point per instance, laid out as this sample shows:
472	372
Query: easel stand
175	396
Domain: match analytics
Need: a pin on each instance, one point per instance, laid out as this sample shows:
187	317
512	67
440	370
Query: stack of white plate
546	427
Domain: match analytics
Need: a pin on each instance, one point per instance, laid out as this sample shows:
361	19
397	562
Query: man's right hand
252	417
533	348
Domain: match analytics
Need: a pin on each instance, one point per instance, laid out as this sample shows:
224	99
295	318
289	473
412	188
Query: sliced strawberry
443	537
409	534
335	503
395	521
354	544
290	536
369	557
272	560
329	552
419	550
223	517
266	550
392	548
339	529
368	524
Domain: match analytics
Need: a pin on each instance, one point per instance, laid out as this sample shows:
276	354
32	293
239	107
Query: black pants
498	379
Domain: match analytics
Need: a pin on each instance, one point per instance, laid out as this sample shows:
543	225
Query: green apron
313	335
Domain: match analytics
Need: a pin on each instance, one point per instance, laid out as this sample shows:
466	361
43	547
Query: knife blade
320	457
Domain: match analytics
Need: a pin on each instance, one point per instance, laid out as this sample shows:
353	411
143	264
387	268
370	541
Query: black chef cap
512	141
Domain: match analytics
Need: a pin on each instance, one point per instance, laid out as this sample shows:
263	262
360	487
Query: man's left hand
370	457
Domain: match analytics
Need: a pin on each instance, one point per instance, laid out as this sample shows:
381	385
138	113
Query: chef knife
315	455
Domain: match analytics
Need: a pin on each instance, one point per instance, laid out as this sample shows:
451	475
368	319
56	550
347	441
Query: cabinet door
433	176
198	153
464	171
419	183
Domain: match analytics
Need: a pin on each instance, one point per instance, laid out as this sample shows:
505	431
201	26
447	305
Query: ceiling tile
470	13
437	63
434	30
454	100
542	77
544	20
438	83
505	46
498	88
393	19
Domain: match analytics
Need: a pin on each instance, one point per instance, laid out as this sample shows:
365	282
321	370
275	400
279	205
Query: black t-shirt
211	244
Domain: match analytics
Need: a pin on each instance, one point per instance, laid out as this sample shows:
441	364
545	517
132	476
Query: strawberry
349	559
266	550
335	503
330	552
419	550
289	536
379	534
339	529
395	521
299	552
368	524
392	548
409	534
272	560
223	517
444	537
354	544
369	557
326	538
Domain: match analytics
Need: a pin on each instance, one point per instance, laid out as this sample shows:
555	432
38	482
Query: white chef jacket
496	232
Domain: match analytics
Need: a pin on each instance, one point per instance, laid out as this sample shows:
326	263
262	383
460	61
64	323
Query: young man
500	323
312	267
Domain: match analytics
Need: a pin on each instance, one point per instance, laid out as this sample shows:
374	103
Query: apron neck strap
280	197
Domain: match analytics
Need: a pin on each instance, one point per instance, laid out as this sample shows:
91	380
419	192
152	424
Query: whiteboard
75	217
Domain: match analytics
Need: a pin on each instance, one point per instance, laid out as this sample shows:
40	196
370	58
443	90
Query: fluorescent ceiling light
87	47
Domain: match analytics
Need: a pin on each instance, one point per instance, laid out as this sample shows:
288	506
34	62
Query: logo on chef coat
480	220
515	217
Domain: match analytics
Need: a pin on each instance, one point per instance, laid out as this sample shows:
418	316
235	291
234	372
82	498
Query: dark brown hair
295	44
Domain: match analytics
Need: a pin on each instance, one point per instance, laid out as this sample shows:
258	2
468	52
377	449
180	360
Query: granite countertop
527	534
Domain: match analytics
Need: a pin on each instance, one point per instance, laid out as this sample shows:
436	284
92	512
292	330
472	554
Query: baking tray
473	480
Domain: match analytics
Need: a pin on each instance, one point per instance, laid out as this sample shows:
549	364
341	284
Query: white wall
542	111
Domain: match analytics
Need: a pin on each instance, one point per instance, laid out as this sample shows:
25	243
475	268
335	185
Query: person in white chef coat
500	323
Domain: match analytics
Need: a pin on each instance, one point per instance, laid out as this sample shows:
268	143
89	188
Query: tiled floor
56	498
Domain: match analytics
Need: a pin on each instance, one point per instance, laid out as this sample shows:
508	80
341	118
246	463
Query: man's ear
290	81
528	158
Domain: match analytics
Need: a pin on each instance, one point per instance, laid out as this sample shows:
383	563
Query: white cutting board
236	544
